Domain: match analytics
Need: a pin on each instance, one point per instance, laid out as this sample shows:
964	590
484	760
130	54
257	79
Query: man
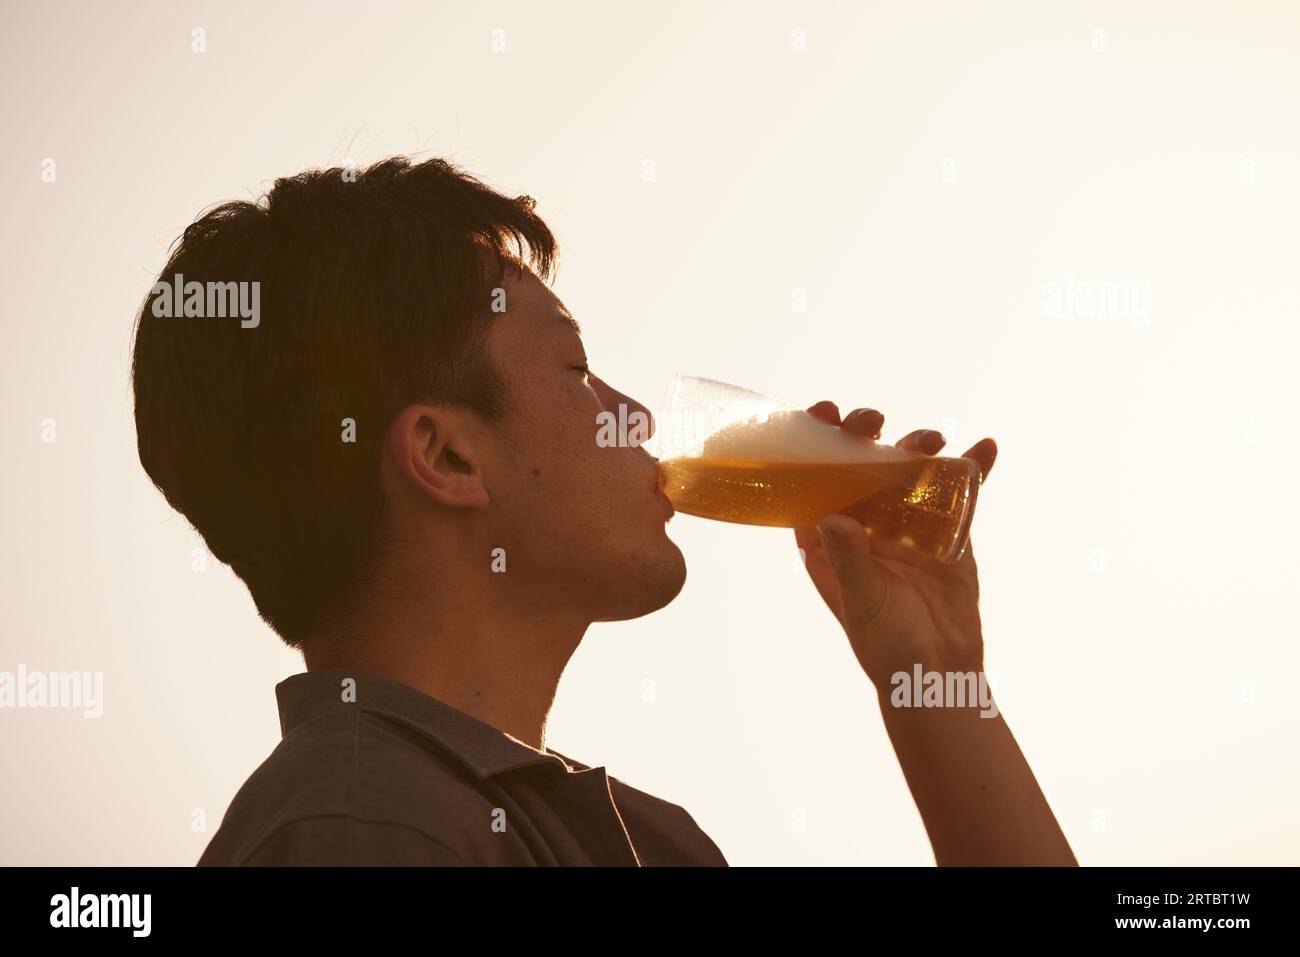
398	456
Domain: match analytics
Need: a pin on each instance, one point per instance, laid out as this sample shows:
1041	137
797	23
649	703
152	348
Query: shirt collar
480	747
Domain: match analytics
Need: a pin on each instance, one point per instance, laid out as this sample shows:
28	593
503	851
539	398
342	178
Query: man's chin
653	584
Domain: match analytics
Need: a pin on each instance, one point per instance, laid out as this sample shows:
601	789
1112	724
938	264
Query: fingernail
827	411
827	529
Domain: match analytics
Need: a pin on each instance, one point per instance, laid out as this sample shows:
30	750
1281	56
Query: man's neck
494	663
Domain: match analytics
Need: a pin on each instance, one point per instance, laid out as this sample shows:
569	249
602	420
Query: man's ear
434	451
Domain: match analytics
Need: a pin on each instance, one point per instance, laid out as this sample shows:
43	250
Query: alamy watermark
53	690
129	911
1087	299
942	689
622	430
214	300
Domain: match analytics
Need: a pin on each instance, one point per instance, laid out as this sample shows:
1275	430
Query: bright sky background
923	178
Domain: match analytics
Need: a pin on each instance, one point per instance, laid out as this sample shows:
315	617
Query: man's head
383	417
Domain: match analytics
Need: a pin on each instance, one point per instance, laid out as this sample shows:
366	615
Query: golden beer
920	501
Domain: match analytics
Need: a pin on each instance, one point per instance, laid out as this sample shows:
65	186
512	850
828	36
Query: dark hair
375	287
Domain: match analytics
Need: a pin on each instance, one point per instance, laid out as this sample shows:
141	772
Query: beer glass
734	455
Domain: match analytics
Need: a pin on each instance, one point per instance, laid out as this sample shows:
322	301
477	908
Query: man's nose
612	399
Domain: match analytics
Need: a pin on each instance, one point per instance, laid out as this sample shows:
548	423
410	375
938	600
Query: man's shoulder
345	788
663	832
356	788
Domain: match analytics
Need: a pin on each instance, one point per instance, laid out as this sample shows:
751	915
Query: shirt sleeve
344	841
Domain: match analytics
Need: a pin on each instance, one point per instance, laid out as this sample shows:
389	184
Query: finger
809	542
807	539
923	440
827	411
985	453
862	588
864	422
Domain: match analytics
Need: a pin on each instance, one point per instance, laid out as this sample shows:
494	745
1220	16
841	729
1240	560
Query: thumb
863	590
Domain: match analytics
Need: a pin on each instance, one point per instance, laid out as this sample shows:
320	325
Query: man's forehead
534	320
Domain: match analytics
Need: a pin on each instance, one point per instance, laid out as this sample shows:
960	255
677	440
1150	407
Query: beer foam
795	436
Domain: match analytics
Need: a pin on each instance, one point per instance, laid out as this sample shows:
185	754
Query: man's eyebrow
568	319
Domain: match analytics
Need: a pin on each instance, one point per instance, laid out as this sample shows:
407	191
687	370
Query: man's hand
898	607
976	793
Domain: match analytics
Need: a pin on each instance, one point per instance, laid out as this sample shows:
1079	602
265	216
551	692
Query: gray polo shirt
370	771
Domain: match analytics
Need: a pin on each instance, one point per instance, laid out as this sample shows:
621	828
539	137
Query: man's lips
668	505
659	490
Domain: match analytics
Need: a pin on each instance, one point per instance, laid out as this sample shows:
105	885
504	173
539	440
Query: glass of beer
738	456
